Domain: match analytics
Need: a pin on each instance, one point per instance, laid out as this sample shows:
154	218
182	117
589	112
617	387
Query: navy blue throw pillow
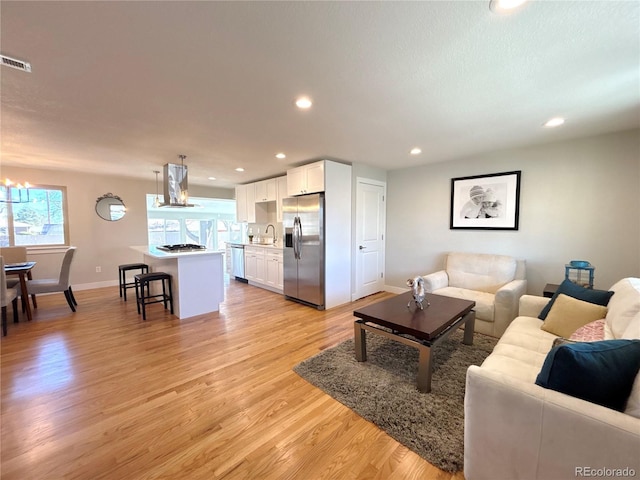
599	297
598	372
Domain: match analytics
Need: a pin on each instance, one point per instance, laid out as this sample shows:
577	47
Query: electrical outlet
98	269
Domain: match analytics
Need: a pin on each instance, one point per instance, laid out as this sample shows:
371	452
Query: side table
549	290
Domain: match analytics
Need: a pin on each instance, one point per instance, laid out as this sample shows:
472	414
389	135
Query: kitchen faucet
266	230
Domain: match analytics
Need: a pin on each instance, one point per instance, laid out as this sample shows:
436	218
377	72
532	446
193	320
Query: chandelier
14	192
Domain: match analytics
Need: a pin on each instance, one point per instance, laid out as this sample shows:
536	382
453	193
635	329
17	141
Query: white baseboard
90	286
387	288
392	289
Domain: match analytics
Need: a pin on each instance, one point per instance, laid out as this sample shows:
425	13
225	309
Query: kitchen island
197	278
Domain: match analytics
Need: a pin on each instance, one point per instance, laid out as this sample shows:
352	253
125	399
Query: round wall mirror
110	207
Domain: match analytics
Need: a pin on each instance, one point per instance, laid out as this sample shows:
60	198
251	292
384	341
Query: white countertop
153	251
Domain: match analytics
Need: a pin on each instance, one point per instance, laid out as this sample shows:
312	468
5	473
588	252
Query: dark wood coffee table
428	327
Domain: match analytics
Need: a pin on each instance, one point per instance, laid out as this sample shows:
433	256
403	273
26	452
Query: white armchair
494	282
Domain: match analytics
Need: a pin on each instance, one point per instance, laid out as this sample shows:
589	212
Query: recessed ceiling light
212	178
416	151
239	169
280	155
554	122
505	6
304	102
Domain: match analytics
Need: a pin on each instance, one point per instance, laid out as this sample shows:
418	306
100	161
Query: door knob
362	248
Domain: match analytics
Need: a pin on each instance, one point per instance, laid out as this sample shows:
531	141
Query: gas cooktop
182	247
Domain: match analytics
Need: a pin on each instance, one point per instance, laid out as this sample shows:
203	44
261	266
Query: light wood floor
100	394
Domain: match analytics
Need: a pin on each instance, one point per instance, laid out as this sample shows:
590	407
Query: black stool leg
120	272
144	303
137	284
170	296
164	294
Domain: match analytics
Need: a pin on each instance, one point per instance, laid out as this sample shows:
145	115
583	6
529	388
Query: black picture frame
486	202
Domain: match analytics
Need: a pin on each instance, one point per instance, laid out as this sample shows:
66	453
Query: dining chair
13	255
52	285
7	295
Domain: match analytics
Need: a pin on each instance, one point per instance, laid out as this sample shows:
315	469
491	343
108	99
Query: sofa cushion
568	314
473	271
624	306
598	372
521	350
567	287
484	301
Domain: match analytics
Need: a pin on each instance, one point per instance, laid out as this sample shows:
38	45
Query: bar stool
122	276
143	280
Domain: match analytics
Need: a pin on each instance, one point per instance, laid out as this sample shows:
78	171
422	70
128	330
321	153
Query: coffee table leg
360	338
469	326
424	369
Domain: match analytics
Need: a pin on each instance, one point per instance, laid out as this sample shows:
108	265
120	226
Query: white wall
100	243
579	200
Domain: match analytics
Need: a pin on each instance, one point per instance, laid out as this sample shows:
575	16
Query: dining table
23	271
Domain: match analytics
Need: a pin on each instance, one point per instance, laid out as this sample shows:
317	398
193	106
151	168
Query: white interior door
370	224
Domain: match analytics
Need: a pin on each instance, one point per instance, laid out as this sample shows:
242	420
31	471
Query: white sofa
515	429
494	282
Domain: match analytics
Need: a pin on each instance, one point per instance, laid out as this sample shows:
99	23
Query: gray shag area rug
383	390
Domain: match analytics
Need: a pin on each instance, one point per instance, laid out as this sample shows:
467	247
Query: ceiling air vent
13	63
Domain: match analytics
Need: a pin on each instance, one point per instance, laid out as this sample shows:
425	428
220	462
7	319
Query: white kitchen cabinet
241	203
266	190
251	203
306	179
228	260
282	194
247	209
254	264
264	267
275	269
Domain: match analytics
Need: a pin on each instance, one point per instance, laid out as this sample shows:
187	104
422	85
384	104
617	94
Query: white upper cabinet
241	203
282	194
266	190
306	179
245	203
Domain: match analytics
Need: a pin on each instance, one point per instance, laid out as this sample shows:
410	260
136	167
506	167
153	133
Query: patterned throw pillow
591	332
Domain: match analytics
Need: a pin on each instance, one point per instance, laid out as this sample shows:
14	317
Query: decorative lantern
579	272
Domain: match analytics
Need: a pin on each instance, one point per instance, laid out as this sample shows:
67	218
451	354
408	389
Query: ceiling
124	87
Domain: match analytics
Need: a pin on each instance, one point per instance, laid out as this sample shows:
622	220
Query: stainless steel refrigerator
303	223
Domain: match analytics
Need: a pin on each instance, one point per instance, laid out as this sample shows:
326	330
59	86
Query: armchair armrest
435	281
506	304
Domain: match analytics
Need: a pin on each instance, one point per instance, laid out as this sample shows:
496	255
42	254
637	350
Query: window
36	216
211	222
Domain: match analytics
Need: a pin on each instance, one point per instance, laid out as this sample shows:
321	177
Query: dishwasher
237	262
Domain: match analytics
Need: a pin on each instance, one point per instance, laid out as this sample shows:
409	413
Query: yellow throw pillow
569	314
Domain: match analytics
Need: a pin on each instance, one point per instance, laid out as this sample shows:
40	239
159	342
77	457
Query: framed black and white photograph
490	202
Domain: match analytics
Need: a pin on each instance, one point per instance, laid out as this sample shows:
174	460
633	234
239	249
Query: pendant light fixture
156	202
175	185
